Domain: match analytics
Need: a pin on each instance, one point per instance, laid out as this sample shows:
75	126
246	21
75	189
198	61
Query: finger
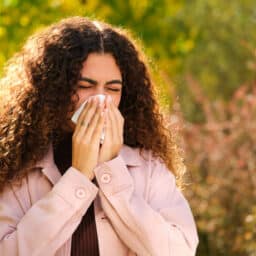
107	126
113	123
92	125
89	107
108	132
119	119
99	128
79	120
86	117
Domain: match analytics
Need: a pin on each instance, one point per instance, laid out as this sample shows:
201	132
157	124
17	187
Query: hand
113	132
86	138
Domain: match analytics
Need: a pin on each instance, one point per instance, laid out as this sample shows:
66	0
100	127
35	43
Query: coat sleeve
44	226
162	225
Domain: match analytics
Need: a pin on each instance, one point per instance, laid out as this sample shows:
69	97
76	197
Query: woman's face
99	75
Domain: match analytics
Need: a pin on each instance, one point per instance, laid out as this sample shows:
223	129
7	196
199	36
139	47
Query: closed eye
84	87
114	90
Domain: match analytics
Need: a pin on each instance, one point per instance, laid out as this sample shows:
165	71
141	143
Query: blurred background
202	55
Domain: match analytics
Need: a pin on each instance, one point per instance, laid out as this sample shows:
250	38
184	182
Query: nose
100	90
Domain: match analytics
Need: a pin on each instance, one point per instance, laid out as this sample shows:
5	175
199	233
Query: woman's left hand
113	132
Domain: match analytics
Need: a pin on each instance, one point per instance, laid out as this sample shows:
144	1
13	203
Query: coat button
80	193
105	178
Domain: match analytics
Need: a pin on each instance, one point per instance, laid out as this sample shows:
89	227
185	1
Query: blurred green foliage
210	40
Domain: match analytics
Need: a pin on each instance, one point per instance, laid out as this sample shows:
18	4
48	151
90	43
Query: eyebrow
94	82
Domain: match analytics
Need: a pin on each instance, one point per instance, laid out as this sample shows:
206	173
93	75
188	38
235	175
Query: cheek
82	98
78	103
116	99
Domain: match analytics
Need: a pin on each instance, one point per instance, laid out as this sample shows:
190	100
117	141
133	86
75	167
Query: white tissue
80	109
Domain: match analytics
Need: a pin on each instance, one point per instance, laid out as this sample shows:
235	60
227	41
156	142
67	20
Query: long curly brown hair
40	80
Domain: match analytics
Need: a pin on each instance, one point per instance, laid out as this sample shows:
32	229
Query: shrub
221	155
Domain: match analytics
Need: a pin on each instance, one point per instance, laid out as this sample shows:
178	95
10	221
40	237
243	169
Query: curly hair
40	80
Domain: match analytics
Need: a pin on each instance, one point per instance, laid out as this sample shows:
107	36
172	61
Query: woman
64	193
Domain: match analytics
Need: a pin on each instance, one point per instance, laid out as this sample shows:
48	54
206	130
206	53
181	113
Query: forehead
100	67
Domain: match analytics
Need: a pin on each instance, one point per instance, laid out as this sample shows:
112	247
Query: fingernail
101	103
103	113
95	100
109	98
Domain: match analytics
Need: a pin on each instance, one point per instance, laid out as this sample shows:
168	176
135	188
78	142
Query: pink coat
138	209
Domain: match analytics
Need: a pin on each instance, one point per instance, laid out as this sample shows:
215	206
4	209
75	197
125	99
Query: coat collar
131	157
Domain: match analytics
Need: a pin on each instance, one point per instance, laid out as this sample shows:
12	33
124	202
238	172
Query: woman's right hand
86	138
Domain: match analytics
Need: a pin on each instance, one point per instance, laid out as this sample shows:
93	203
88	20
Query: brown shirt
84	239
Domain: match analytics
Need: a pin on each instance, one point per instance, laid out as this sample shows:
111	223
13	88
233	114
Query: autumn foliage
221	156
